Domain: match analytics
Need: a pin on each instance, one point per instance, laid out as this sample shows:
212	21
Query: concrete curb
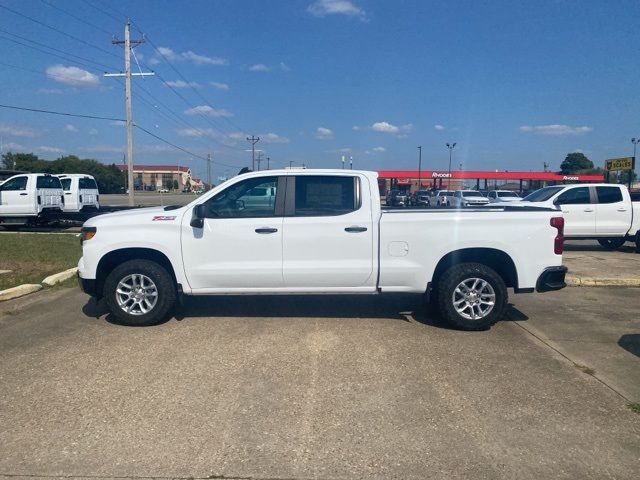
19	291
576	281
59	277
27	288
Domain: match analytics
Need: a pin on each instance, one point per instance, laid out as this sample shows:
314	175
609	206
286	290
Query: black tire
450	281
638	241
164	286
612	243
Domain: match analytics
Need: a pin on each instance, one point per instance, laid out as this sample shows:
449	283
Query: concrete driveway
306	387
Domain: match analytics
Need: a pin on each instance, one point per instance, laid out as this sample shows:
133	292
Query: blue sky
515	84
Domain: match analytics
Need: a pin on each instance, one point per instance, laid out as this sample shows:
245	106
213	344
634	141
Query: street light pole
632	171
419	167
450	146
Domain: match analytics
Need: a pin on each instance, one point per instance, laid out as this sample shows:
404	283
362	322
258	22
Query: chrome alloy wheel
474	298
136	294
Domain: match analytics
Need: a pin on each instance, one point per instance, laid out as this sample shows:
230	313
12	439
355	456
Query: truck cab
30	198
80	192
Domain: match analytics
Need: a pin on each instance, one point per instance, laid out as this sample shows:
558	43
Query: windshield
446	194
507	195
543	194
471	193
423	192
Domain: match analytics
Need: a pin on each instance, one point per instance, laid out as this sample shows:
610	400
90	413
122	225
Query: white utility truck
80	193
324	233
602	211
29	199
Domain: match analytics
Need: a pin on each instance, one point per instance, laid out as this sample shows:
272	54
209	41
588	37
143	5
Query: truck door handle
266	230
67	193
355	229
622	209
588	209
23	194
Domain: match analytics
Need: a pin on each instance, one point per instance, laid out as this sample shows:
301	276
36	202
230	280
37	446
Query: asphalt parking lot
321	387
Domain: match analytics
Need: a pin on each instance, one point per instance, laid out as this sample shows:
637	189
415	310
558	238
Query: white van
80	192
29	198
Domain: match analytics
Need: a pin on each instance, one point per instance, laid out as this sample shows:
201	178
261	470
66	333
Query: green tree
176	185
575	162
623	176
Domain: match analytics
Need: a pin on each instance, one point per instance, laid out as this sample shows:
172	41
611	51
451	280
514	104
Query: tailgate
49	197
89	197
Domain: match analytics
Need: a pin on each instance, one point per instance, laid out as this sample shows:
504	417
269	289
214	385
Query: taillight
39	200
62	199
558	243
80	198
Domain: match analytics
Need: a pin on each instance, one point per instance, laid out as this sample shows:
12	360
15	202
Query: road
148	199
321	387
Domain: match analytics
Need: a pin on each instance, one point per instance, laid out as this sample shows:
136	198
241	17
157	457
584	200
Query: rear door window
48	182
609	194
323	195
18	183
66	184
87	183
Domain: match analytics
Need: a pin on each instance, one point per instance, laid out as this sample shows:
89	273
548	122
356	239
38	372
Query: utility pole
420	167
290	163
253	140
343	159
208	171
450	147
268	167
259	159
127	42
350	162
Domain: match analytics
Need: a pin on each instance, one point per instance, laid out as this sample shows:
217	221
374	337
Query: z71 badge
163	218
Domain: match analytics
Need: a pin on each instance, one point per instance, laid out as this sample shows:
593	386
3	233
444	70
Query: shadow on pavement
404	307
631	343
591	247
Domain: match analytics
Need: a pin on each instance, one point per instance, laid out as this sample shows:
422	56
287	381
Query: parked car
80	192
499	196
163	190
325	233
603	211
30	198
397	198
420	198
443	198
468	198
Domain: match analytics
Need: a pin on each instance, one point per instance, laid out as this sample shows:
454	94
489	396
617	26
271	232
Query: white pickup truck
30	198
601	211
80	193
325	233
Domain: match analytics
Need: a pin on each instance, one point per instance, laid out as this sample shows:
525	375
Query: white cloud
259	67
13	146
72	76
378	149
118	123
284	67
321	8
208	111
181	84
13	131
323	133
438	127
188	56
273	138
49	91
219	85
103	149
400	131
46	149
93	131
71	128
555	129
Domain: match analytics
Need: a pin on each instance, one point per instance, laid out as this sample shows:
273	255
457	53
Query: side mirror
199	213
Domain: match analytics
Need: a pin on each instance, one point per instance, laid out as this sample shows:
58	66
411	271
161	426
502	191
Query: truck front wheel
471	296
139	293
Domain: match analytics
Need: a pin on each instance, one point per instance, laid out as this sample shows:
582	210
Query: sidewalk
591	265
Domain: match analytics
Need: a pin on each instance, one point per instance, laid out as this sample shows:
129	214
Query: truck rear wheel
612	243
471	296
139	293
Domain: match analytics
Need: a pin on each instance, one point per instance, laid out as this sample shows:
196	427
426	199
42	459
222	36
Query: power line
59	31
66	114
46	52
104	12
54	49
76	17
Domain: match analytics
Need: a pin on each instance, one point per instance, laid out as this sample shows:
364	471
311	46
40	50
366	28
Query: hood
136	215
475	199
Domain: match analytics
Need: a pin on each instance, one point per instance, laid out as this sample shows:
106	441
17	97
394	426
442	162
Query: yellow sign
625	163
